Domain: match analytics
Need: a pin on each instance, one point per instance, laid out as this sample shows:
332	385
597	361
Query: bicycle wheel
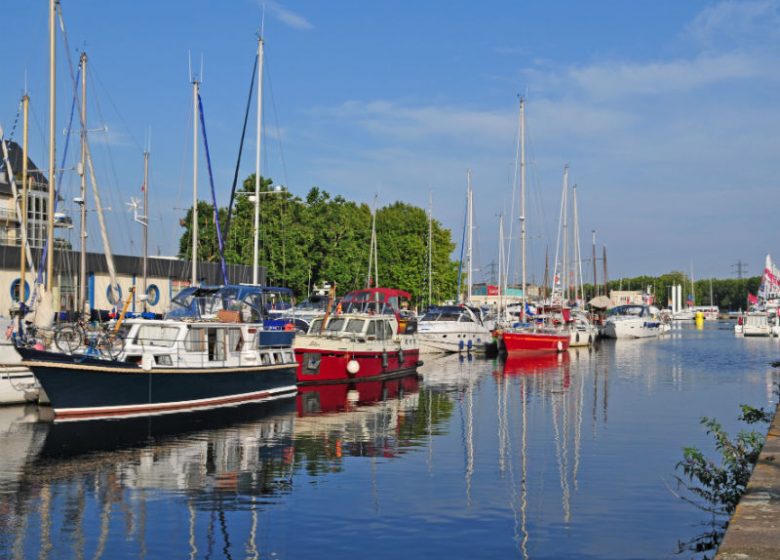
68	337
111	344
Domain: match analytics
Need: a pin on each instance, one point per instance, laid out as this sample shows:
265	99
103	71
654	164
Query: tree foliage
323	238
716	487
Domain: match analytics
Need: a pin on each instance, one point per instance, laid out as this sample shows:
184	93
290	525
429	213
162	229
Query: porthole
114	296
15	290
152	294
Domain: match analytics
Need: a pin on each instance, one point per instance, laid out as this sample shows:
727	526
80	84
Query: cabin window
336	325
384	330
371	330
265	359
156	335
163	360
195	341
355	326
235	340
216	340
465	319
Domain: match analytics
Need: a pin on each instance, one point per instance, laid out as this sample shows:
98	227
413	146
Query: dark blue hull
83	386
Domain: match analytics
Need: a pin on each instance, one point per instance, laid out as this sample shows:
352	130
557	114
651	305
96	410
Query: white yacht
631	321
453	328
754	323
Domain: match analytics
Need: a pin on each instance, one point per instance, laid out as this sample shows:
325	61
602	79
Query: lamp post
253	197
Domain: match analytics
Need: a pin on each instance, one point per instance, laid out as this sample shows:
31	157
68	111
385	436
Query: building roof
38	180
67	263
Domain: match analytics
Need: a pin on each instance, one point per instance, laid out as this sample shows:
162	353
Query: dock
754	530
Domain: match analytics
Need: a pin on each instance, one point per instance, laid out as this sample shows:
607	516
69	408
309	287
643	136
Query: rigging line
116	109
462	243
278	128
213	191
42	261
116	198
240	148
16	122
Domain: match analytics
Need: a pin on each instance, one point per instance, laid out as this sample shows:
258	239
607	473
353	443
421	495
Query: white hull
17	383
756	331
452	329
631	328
434	339
582	338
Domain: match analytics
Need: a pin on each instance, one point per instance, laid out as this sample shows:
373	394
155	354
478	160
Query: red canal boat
365	339
534	340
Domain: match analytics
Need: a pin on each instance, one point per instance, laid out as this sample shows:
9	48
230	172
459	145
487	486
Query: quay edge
754	530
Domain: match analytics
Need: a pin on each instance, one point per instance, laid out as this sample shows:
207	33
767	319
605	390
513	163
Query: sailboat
457	328
211	349
529	337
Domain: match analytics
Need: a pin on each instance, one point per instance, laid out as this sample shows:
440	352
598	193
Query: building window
114	296
152	294
15	290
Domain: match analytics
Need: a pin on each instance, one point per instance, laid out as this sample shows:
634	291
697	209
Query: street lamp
255	197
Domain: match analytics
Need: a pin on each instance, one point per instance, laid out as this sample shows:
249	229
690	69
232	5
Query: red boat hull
312	399
521	341
327	366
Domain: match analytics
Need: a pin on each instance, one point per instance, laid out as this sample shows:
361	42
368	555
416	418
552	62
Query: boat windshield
251	303
443	314
630	310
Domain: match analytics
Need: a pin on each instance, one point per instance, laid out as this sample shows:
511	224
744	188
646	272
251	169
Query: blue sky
666	111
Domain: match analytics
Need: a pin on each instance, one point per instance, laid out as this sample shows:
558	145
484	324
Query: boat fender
469	345
590	339
560	346
147	360
384	359
577	338
460	345
353	366
400	357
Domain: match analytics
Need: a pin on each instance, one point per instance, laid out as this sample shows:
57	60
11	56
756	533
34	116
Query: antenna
262	22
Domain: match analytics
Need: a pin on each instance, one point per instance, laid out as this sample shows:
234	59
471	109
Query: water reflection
473	458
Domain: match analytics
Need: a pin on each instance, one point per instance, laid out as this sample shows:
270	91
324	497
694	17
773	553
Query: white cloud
288	17
733	24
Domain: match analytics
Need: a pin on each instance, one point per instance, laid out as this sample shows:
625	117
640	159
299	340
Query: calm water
561	457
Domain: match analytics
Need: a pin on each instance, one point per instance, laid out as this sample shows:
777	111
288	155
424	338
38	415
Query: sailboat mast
469	237
258	140
430	248
595	285
82	302
146	224
522	208
52	145
195	85
23	233
500	266
565	257
579	290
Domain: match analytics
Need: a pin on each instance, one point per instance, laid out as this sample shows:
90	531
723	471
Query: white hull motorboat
631	321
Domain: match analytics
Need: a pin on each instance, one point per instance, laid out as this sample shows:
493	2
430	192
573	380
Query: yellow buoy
699	320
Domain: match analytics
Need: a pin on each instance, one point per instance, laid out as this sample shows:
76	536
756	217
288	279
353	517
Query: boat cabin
204	344
630	311
361	329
